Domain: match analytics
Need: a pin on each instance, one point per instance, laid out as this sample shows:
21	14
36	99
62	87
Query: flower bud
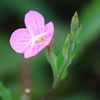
74	23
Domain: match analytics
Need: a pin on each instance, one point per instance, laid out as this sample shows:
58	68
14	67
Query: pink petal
36	49
19	39
34	21
49	27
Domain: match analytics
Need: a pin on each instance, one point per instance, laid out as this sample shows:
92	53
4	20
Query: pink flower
35	37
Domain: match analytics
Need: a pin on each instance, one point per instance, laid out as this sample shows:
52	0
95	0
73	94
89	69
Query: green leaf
74	45
73	52
51	57
77	35
65	73
60	62
4	93
60	65
65	49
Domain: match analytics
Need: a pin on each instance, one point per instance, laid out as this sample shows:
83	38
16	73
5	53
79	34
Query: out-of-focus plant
4	93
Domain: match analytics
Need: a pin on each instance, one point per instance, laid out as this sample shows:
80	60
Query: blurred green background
83	80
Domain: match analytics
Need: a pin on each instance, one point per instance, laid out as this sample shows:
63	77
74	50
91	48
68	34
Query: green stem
56	83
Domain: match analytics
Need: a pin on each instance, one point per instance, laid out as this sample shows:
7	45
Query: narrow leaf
51	57
75	43
65	49
60	65
78	33
73	52
60	62
65	73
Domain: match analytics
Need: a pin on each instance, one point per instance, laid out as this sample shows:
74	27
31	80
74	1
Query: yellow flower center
40	40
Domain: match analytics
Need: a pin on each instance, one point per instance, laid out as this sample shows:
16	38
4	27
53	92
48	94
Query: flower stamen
40	40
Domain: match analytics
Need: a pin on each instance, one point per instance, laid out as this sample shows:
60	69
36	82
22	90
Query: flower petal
36	49
34	21
19	40
49	27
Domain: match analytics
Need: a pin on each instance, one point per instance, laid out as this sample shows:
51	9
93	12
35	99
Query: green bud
74	23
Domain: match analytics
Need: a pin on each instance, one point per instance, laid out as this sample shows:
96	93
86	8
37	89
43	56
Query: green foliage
4	93
71	44
65	49
75	43
60	62
60	65
51	57
64	59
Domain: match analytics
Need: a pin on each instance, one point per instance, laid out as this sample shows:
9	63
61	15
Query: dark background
83	80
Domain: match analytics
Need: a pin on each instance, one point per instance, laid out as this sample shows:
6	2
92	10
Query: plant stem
54	86
26	95
49	93
25	79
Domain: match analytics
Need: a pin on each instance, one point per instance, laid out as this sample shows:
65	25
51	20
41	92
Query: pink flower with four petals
35	37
